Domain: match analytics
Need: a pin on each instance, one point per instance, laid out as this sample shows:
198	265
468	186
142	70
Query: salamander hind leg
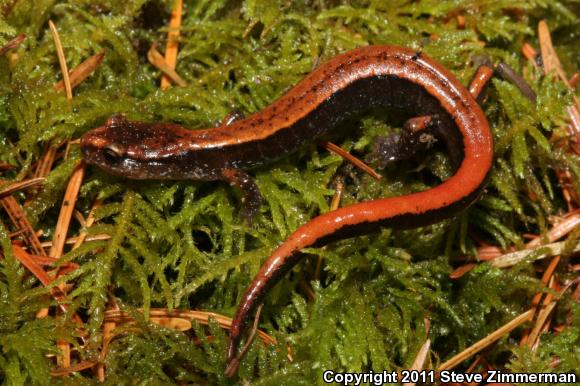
252	199
417	135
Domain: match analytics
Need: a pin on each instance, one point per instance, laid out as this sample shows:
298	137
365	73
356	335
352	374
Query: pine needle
172	46
487	341
61	60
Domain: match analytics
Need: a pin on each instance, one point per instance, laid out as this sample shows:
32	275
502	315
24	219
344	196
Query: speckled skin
346	85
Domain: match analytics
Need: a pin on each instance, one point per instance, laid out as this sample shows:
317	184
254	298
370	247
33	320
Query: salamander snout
108	147
99	150
104	141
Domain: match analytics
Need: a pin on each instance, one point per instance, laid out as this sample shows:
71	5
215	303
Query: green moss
185	245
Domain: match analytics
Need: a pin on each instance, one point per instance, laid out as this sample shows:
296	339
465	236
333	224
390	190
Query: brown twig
32	265
17	186
559	230
487	341
462	270
12	44
419	361
550	58
510	259
563	227
235	363
540	322
21	223
460	21
108	335
333	206
5	166
350	158
64	371
201	317
546	278
491	253
552	63
530	53
88	223
156	59
82	71
172	46
573	81
58	242
75	239
46	161
67	209
61	59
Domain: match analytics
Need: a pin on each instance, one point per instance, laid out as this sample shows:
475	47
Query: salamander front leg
252	199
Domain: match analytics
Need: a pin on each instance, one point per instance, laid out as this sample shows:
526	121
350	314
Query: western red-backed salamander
346	85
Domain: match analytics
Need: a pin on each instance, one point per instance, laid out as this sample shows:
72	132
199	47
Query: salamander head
136	150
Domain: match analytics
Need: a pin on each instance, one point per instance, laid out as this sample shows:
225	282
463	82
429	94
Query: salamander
348	84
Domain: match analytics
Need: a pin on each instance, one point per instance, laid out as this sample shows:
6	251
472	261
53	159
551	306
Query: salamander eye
112	154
